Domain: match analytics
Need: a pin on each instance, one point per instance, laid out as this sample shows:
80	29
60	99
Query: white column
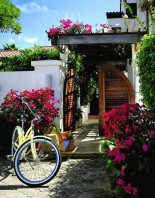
134	66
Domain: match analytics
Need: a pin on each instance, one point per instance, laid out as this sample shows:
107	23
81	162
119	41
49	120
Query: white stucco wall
47	74
19	81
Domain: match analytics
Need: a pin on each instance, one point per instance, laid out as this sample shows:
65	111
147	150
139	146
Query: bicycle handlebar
37	117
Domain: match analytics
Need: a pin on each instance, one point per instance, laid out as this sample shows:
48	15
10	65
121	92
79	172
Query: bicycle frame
29	135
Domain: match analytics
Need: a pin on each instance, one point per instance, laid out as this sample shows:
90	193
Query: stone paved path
77	178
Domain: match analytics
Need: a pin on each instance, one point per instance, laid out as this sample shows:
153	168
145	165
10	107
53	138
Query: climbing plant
85	77
145	60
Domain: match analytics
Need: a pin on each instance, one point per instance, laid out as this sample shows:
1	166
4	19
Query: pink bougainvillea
67	27
41	101
131	130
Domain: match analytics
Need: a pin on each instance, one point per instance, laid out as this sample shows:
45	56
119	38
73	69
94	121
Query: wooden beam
112	38
101	98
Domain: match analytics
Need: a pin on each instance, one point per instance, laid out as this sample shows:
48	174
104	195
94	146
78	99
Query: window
133	6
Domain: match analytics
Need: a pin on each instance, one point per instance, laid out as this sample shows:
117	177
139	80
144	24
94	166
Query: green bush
145	60
23	62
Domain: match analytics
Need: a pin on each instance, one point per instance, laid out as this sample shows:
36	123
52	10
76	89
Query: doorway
115	89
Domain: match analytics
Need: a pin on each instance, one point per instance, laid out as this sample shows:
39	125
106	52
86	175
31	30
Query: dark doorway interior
94	104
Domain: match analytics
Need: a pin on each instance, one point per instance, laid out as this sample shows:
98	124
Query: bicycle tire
42	170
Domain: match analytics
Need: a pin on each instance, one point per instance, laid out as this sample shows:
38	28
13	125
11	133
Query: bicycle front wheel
39	171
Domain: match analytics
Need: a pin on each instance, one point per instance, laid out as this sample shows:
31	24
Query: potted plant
144	5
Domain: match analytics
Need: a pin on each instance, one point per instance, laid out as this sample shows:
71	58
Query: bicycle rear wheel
37	172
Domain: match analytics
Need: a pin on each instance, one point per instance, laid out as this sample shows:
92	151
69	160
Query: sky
37	16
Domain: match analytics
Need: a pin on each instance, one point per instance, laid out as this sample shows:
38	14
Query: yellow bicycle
36	159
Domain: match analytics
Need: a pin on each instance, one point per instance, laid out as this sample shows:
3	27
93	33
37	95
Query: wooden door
115	89
69	101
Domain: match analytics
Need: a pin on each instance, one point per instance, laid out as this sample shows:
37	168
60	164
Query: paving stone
83	177
77	178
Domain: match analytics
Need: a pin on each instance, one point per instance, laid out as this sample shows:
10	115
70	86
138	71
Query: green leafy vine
145	60
85	77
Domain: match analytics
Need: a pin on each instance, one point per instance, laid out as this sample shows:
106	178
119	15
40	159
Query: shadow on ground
6	168
81	178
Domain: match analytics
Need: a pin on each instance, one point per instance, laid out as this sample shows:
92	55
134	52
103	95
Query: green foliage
145	60
9	17
152	12
149	6
75	61
141	23
85	75
10	47
22	62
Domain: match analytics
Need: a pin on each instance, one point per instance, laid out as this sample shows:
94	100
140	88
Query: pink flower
128	143
127	188
130	190
152	134
135	128
104	26
145	147
77	26
87	29
119	157
135	191
54	31
128	128
66	24
113	152
120	182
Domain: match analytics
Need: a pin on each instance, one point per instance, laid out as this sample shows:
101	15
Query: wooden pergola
98	38
91	45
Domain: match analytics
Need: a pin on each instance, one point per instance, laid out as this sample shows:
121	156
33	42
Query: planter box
53	138
100	38
68	145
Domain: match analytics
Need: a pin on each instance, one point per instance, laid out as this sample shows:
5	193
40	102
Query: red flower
41	101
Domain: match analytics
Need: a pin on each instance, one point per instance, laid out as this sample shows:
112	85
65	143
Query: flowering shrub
131	151
41	102
68	27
